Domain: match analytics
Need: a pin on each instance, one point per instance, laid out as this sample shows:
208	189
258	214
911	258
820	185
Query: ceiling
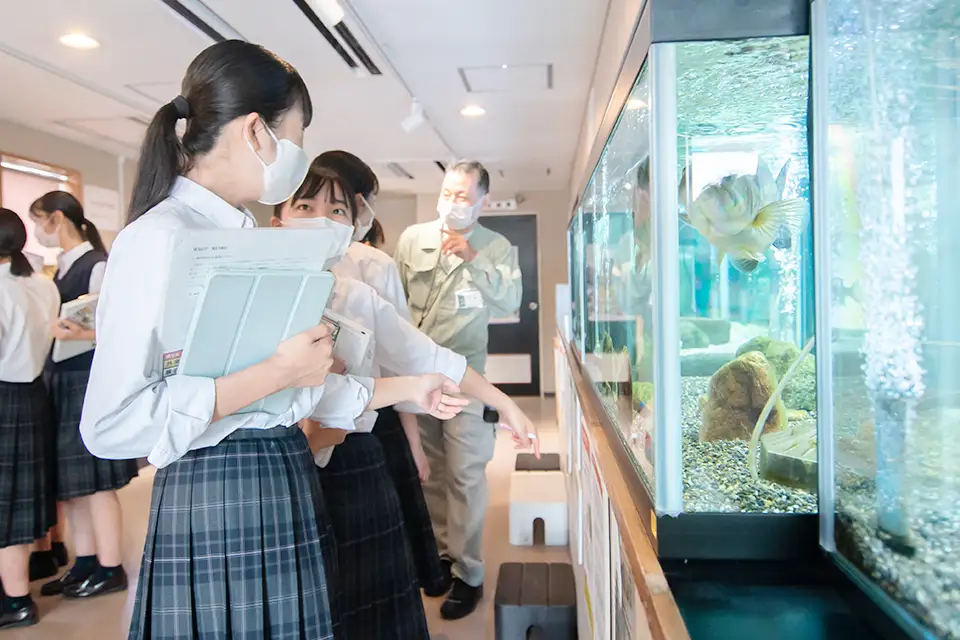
446	54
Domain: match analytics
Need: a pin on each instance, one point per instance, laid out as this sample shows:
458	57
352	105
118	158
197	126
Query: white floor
107	618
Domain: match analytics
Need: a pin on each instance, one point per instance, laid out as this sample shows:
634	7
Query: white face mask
458	216
49	240
285	174
341	233
364	227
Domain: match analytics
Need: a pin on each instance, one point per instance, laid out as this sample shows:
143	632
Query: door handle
533	306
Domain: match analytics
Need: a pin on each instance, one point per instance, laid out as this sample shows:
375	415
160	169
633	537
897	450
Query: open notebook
242	317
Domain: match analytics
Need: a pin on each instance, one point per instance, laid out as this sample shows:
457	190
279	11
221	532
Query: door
513	364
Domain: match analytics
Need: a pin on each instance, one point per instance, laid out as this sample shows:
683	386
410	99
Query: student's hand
305	359
434	393
339	366
320	437
67	330
523	431
423	465
456	243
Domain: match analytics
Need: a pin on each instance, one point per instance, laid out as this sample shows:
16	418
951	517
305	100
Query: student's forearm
238	390
476	386
390	391
411	429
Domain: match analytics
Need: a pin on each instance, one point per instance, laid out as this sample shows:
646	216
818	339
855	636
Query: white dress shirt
28	307
395	344
376	269
68	258
130	411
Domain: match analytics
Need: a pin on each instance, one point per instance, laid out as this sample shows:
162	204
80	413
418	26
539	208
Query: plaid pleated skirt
378	593
235	544
416	518
75	471
27	507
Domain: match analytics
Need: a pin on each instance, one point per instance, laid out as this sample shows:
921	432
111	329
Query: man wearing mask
457	275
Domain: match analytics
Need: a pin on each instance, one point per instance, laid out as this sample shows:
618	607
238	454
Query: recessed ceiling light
473	111
503	66
78	41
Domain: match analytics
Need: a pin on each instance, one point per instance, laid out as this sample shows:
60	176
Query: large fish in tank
743	215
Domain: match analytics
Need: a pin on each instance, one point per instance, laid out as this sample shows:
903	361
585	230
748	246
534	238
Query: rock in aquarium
737	395
692	336
801	390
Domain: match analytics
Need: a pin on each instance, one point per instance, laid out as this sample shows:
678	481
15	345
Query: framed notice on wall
626	613
596	541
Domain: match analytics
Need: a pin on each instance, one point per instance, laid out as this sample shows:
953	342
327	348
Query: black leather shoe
22	617
97	585
69	578
462	601
43	564
443	587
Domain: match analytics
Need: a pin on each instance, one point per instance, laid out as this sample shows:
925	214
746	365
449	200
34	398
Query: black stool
536	596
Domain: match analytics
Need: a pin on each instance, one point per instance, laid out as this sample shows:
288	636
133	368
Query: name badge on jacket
469	299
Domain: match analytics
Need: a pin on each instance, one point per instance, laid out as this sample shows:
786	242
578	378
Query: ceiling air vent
399	171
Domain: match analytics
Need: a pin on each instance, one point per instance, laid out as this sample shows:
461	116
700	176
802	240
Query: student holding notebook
85	484
29	302
238	529
379	596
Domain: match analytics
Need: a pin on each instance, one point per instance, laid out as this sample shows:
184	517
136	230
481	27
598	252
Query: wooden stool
534	596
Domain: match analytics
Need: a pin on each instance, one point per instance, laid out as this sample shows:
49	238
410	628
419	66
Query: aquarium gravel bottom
715	474
927	584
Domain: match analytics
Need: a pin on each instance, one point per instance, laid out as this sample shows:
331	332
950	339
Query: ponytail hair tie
182	106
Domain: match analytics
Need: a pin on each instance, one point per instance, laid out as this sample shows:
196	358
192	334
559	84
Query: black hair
13	238
318	178
358	173
72	211
375	237
228	80
472	166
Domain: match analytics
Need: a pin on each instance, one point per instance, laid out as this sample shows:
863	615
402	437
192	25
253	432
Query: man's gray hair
473	166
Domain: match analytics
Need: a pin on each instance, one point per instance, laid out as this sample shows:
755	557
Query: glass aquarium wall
748	377
614	225
893	148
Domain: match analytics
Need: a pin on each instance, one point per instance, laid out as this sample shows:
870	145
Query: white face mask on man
285	174
341	233
458	216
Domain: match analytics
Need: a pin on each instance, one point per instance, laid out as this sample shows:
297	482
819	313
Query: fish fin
763	174
685	219
744	264
780	214
684	198
782	178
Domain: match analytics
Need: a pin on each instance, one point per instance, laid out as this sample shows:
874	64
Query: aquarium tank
737	429
892	159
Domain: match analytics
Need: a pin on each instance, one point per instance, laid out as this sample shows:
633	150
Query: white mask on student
45	238
341	233
283	176
363	228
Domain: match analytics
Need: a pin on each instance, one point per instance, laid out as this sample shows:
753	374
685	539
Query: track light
416	118
329	11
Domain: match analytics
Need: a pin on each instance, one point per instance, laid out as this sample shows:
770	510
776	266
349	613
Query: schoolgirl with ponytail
29	303
85	485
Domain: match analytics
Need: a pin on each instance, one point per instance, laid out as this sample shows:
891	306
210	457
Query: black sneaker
443	587
462	601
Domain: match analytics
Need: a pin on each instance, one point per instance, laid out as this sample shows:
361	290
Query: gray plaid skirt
236	543
75	471
27	507
378	595
416	517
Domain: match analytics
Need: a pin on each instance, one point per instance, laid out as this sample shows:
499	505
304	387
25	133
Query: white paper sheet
196	255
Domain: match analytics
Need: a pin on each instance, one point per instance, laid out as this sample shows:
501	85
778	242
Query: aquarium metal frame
820	176
665	257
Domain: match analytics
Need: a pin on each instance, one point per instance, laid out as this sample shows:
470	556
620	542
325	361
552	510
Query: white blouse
130	411
28	307
377	269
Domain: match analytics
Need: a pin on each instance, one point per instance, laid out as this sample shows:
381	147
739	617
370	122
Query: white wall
617	34
96	167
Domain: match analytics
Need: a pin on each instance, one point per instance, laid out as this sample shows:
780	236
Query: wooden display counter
621	587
